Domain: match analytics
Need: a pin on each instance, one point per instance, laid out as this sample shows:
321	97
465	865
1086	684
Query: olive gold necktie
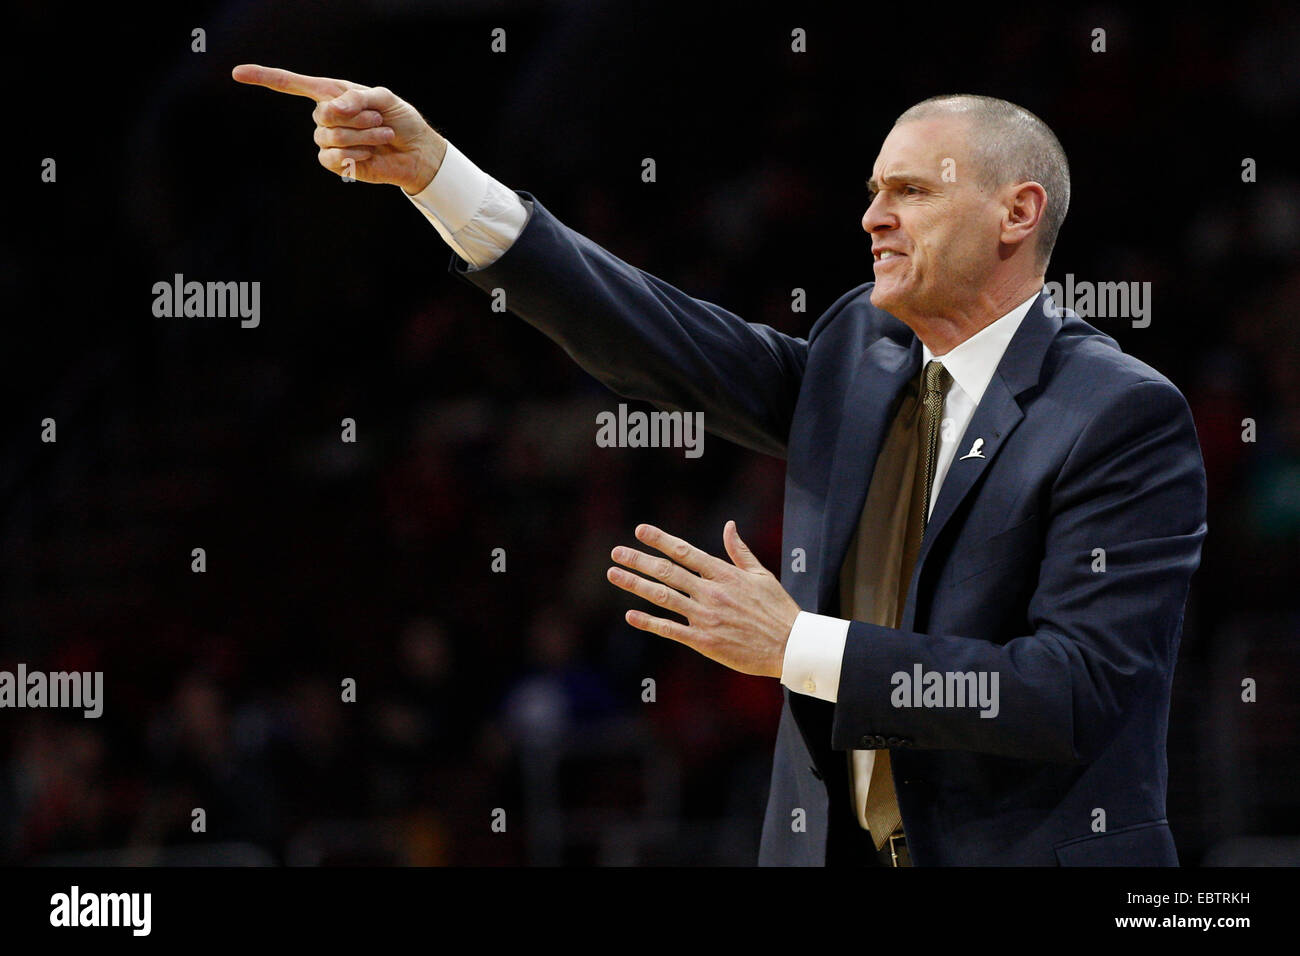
878	567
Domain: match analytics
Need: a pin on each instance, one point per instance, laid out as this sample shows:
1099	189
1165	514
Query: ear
1025	205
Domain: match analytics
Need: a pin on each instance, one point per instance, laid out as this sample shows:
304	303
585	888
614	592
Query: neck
942	333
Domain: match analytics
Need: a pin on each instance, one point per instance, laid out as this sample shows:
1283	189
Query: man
992	513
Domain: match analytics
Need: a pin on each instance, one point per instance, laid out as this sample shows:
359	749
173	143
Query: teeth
886	254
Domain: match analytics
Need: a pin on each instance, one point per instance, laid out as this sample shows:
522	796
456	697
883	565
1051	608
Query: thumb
738	551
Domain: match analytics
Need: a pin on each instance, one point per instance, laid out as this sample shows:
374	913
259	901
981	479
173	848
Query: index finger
282	81
683	552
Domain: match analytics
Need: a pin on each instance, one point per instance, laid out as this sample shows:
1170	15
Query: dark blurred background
372	561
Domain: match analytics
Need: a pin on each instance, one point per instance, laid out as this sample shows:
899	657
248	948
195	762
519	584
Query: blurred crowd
508	715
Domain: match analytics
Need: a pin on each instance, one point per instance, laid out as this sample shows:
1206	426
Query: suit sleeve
1134	485
645	339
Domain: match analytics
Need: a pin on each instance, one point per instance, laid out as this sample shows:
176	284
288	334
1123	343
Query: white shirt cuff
475	215
813	655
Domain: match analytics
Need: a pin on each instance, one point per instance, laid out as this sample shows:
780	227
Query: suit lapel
883	370
995	418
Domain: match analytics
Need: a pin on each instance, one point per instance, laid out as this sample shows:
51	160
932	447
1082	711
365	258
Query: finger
683	552
339	136
655	593
661	568
359	98
323	115
333	159
661	626
739	552
282	81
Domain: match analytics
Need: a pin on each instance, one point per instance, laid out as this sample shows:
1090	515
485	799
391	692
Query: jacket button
894	741
815	772
880	741
866	743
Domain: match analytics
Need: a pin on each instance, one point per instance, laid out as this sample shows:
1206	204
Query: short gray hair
1013	145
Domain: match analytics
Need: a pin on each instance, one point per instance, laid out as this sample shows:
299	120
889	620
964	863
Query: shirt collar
972	363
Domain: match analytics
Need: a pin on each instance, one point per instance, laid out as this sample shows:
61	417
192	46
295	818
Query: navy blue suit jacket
1089	455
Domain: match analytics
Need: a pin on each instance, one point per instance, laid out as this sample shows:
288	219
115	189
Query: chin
884	298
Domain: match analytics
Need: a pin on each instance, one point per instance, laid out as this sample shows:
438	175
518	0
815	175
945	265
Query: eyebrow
905	176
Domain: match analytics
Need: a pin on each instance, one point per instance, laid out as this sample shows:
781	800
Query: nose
877	218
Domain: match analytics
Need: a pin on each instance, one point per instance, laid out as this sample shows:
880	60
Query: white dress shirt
475	215
480	218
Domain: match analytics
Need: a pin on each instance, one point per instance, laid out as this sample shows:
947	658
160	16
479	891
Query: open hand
739	614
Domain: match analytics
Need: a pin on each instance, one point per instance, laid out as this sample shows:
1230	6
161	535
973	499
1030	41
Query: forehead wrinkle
903	175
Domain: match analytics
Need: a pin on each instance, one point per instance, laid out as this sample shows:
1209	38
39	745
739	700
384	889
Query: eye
911	191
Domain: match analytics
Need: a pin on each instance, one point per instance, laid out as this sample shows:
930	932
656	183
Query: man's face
934	230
